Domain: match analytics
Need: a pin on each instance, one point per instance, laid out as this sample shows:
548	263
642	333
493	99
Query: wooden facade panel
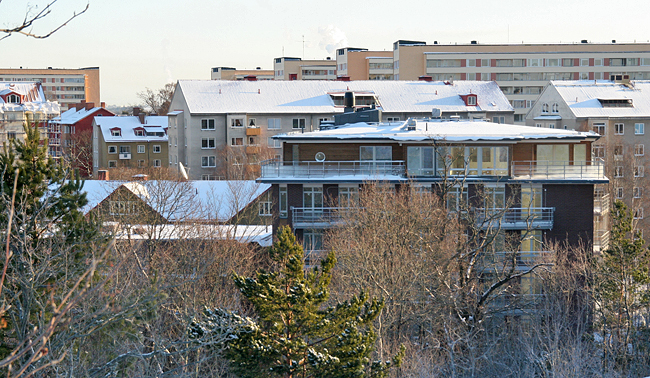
523	152
335	151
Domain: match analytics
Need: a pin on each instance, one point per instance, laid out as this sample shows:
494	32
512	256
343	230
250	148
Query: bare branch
25	27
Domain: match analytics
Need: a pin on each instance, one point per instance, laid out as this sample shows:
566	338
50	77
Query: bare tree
32	17
158	101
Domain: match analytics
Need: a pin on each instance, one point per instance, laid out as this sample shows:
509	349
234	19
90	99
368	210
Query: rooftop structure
20	102
231	73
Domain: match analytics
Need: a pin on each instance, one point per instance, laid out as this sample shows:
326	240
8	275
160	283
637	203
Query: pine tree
295	334
623	279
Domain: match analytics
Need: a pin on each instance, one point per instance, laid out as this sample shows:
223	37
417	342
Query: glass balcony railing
321	217
316	169
559	170
515	218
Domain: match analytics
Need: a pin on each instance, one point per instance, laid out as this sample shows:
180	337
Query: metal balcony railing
321	217
316	169
523	260
515	218
559	170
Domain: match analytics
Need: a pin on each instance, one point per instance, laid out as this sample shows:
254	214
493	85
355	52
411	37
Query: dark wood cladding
574	209
523	152
336	151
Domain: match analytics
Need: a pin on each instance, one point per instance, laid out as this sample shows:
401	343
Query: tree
294	336
158	100
623	293
34	16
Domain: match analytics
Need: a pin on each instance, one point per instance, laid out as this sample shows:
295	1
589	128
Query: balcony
522	260
251	131
365	170
322	217
515	218
54	142
558	170
125	156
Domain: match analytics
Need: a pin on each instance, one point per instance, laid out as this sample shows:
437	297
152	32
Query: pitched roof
72	115
582	97
312	96
35	100
127	126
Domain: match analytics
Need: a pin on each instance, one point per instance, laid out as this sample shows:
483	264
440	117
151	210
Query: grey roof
582	97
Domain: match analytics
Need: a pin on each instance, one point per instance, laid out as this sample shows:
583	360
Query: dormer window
13	99
116	132
139	132
469	99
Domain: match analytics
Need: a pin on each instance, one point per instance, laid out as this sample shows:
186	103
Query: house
20	102
129	142
553	197
215	126
618	110
70	135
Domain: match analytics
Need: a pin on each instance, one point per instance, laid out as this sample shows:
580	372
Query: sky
141	44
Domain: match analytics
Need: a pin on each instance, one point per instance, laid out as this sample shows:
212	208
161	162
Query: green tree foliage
295	334
622	291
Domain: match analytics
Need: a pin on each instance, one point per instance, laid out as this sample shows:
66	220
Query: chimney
141	116
103	105
90	105
71	106
80	105
102	175
425	78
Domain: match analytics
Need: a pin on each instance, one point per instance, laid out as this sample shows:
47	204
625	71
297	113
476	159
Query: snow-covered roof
439	130
34	100
583	97
313	96
185	200
262	235
72	115
127	126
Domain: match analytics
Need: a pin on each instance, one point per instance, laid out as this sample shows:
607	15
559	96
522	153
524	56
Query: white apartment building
287	68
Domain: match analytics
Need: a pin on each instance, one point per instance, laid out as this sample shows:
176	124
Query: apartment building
20	102
361	64
129	142
214	125
617	110
63	85
521	70
231	73
514	171
287	68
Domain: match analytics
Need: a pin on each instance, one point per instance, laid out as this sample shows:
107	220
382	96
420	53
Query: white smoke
332	38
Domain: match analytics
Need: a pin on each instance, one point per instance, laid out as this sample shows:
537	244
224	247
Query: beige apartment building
231	73
521	70
361	64
287	68
66	86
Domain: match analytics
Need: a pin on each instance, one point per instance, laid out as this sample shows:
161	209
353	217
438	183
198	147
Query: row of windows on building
598	151
534	76
272	123
46	80
619	128
156	149
156	163
539	62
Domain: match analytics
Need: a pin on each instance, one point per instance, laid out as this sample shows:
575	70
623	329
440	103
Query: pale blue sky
146	43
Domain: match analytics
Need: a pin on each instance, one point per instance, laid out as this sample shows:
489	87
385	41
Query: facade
619	112
361	64
217	124
231	73
129	142
521	70
552	199
287	68
63	85
20	102
70	134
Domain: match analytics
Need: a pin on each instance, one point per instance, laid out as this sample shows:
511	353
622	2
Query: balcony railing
322	217
523	260
601	205
317	169
515	218
54	142
559	170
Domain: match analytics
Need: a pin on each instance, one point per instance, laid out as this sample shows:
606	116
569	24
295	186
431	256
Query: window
207	124
13	99
638	213
471	100
112	164
534	63
140	163
112	149
237	122
283	201
497	119
156	149
236	141
67	129
618	152
584	75
538	125
599	128
619	129
637	192
298	123
265	208
598	152
375	153
638	171
567	62
157	163
312	197
544	108
116	132
392	119
555	108
125	149
252	122
639	128
552	62
141	149
122	207
208	161
208	143
584	62
139	133
638	150
274	143
618	171
618	192
274	124
519	117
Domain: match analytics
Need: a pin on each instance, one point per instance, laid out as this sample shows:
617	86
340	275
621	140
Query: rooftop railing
317	169
559	170
515	218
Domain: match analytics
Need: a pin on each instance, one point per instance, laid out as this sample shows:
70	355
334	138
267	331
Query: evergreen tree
622	290
295	335
46	246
